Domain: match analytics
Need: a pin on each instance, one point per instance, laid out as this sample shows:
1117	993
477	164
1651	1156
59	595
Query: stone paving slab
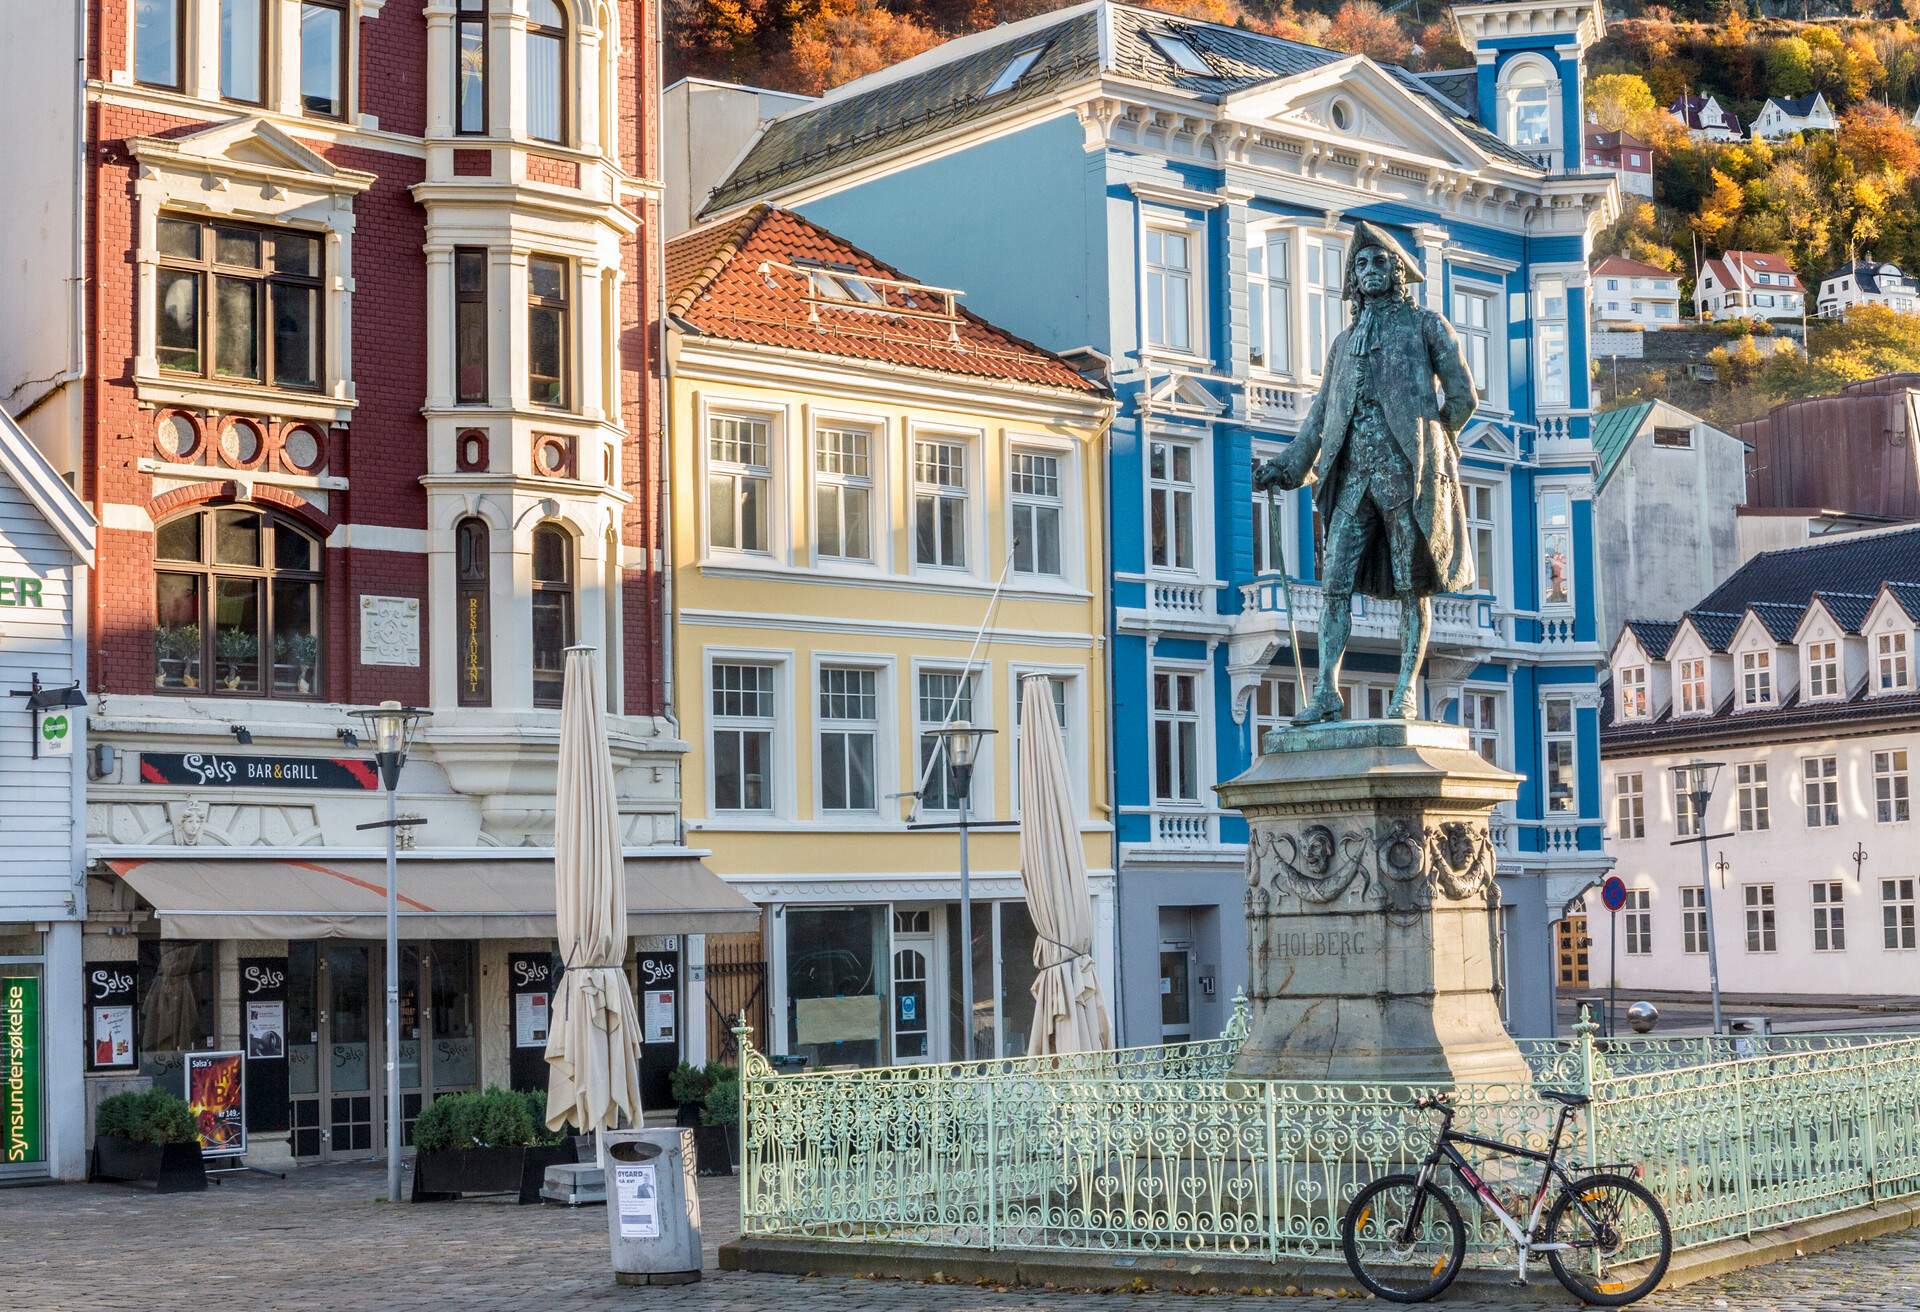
322	1240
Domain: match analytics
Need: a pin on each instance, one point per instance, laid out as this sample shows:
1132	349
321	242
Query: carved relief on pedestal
1400	868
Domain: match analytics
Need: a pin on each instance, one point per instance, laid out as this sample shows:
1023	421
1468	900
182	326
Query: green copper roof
1613	433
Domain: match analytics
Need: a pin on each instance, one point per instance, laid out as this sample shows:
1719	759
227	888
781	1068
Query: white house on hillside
1628	293
1748	285
1628	157
1706	120
1782	118
1867	282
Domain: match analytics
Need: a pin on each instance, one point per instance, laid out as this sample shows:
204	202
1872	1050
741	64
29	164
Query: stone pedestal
1372	941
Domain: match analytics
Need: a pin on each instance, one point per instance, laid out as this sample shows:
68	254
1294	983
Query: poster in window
658	1016
216	1097
531	1013
111	1044
266	1031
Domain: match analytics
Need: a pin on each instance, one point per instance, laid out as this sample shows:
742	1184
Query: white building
1782	118
1706	120
1628	293
46	548
1628	157
1867	282
1748	285
1796	675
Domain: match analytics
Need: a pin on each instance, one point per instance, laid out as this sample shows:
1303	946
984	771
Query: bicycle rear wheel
1621	1241
1403	1240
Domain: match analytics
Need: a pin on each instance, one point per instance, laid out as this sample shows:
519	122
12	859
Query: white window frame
879	536
1522	74
1488	526
1066	456
1542	530
1201	674
1892	662
973	492
1760	918
1633	702
884	770
1754	810
1823	681
1322	320
1072	681
1637	921
1549	737
1629	805
1194	230
775	418
1693	920
1261	287
1820	788
1196	485
1756	679
1892	787
1897	913
1272	705
1687	822
1474	699
1285	505
980	794
1829	915
779	743
1696	694
1552	391
1489	336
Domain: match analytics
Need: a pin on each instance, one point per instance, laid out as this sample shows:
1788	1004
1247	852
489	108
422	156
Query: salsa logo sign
20	1068
217	769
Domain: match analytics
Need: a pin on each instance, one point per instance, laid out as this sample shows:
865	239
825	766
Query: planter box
445	1176
173	1168
688	1116
717	1149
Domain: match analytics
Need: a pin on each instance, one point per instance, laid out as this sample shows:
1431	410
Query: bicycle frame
1551	1170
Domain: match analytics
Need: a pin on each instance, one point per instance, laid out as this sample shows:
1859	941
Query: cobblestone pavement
322	1240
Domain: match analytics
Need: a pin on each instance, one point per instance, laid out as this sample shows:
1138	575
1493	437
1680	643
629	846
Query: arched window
553	612
1528	87
236	605
546	72
473	564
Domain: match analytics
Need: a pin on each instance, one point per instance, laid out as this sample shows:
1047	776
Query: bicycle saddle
1566	1097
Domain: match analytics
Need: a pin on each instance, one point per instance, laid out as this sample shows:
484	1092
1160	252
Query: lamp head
1698	777
963	744
391	727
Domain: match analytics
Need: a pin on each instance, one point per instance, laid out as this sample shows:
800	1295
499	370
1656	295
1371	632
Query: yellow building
886	513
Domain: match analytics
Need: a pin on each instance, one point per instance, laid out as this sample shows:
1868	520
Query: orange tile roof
1618	264
741	281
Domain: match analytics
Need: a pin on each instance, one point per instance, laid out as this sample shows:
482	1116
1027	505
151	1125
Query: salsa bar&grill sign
220	770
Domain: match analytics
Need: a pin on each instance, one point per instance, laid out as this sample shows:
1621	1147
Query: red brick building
359	384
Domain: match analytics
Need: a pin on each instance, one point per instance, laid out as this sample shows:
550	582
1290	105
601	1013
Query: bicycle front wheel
1618	1240
1403	1240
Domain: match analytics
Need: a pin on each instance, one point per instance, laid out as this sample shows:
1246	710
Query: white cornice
761	622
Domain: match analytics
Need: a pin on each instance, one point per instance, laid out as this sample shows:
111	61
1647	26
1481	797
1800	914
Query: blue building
1175	197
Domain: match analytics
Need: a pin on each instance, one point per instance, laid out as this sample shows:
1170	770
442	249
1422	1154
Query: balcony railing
1457	621
1277	400
1175	600
1184	827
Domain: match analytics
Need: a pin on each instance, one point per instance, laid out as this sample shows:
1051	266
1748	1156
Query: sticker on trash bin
637	1192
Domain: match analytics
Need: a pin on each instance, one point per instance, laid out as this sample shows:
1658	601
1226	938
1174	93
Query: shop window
323	57
470	68
553	611
239	303
473	566
836	974
176	991
237	605
546	72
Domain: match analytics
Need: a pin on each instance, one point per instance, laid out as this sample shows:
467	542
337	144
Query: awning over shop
505	896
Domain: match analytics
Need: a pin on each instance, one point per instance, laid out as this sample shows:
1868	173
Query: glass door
1176	996
912	996
347	984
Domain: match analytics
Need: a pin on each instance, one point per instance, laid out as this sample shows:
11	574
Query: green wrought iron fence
1162	1150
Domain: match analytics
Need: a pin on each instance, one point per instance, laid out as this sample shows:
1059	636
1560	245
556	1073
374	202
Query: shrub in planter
718	1139
148	1135
487	1142
689	1084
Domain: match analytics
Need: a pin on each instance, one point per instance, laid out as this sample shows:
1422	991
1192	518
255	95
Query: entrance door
1573	945
350	1125
912	996
1176	992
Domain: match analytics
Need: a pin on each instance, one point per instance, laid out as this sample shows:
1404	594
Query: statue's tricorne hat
1366	234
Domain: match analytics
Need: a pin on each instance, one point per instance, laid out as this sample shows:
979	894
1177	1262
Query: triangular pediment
1356	102
1486	439
252	148
1185	394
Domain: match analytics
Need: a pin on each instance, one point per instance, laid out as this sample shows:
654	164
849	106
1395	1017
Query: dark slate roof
1780	618
1654	636
1459	85
1716	627
1908	596
1798	106
1847	562
1867	274
947	93
1666	731
1849	609
1613	433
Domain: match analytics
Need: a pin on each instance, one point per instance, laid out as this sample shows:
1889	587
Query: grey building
1666	500
704	129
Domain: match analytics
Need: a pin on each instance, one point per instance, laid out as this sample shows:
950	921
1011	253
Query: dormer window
1183	56
1756	679
1894	673
1693	687
1015	70
1823	670
1633	692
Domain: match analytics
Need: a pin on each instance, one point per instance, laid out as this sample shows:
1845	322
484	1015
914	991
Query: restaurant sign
219	770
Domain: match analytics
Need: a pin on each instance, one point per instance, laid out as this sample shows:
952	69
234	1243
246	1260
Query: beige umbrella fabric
1069	1014
593	1046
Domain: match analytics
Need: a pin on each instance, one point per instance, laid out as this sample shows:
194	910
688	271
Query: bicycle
1413	1230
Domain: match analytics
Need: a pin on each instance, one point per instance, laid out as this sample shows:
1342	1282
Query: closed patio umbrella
593	1045
1069	1014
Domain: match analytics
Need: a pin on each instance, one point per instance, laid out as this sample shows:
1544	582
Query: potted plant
718	1141
689	1085
236	648
298	651
491	1142
147	1135
178	649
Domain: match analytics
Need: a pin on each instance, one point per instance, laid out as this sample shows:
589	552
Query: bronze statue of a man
1383	449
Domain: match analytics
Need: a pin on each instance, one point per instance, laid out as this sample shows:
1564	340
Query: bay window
238	303
323	57
546	71
1483	535
549	333
470	325
739	482
1558	748
1556	550
1326	274
1473	321
1270	302
553	611
237	605
470	67
1550	333
1171	494
1037	504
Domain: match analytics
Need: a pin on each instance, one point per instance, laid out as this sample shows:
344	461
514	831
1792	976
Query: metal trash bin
653	1210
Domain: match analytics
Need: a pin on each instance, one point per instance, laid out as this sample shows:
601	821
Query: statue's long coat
1412	349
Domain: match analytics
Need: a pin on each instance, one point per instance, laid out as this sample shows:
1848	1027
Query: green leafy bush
147	1116
497	1118
689	1083
536	1100
723	1101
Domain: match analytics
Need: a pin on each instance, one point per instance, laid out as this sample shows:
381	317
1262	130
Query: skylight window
1015	70
1184	57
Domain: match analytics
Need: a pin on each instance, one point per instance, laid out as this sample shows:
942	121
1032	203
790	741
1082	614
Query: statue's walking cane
1278	540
